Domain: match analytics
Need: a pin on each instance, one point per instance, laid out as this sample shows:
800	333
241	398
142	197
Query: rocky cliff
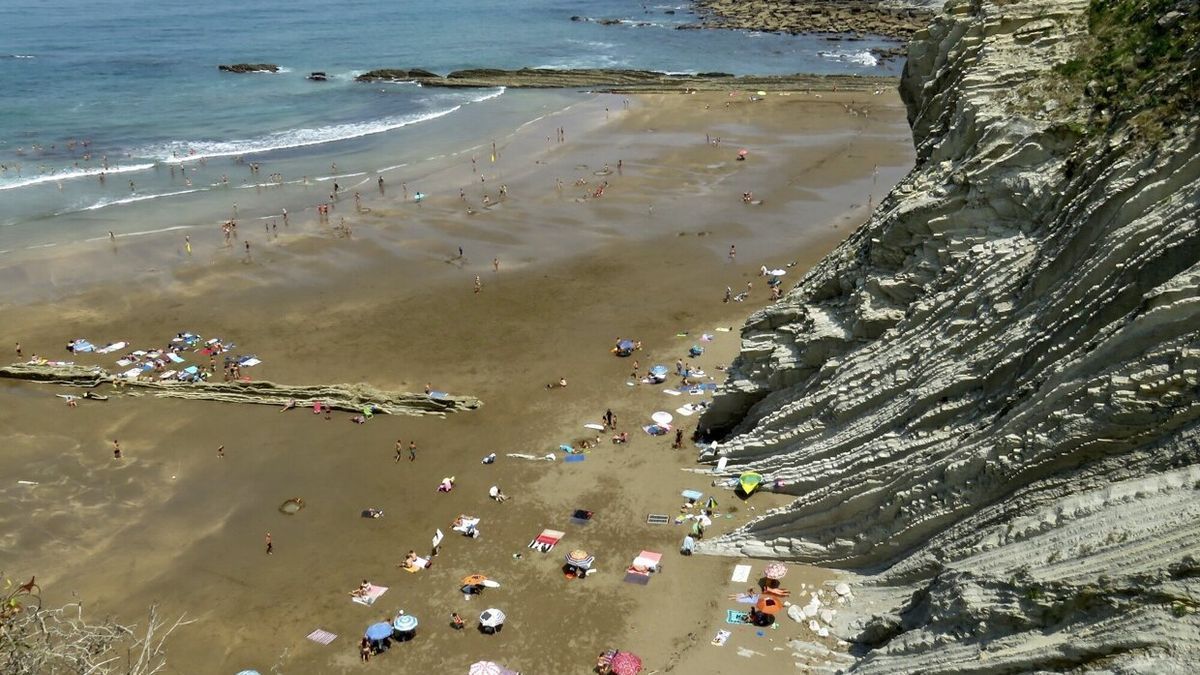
986	400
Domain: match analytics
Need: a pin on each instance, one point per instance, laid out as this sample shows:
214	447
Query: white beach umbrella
662	418
491	618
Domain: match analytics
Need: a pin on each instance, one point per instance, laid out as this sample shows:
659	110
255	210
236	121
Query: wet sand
393	306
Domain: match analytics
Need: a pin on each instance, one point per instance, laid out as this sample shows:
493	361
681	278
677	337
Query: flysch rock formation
986	400
346	397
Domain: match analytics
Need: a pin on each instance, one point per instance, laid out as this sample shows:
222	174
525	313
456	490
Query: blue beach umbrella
625	344
405	623
379	631
659	370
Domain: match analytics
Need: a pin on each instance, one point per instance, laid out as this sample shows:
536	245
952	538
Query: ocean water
131	90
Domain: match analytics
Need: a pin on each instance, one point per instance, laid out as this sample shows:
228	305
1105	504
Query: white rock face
987	399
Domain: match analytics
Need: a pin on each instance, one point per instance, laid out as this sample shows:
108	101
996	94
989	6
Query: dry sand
391	306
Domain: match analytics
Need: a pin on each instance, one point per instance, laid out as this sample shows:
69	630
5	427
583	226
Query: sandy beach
563	273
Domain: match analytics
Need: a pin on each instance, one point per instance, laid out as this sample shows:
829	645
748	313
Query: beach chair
546	541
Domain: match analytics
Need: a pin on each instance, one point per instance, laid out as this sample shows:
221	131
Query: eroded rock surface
986	401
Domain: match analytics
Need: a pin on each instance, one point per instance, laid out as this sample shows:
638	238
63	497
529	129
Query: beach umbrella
768	604
580	558
405	623
491	618
659	370
625	344
474	580
626	663
775	570
761	92
743	152
379	631
485	668
662	418
704	521
710	503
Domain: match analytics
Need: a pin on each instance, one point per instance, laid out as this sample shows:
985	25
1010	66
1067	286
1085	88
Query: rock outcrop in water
249	68
346	397
620	80
987	400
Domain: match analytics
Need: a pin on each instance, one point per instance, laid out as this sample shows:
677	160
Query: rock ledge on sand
346	397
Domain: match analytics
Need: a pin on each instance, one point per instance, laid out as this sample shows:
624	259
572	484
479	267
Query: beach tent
748	482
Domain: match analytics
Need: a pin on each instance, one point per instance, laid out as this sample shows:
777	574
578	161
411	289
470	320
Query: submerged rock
249	68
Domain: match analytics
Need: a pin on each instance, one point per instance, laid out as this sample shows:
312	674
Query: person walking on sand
399	449
19	354
732	252
270	544
496	264
678	439
412	451
478	284
221	452
116	449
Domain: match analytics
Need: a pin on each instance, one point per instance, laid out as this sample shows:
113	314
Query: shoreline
392	306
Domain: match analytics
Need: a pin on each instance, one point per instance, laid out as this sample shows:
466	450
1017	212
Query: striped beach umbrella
405	623
580	558
626	663
775	570
485	668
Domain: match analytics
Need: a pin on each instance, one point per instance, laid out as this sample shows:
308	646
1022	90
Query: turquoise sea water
138	82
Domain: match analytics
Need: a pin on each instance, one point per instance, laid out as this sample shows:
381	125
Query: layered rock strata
987	400
619	80
891	19
346	397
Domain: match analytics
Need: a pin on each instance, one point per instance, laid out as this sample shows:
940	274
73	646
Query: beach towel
706	337
547	540
691	495
418	564
175	357
111	348
138	352
124	362
741	574
724	330
657	429
167	375
596	427
687	410
571	459
322	637
648	559
657	519
469	525
83	346
672	392
371	596
251	361
132	373
439	395
721	637
735	617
